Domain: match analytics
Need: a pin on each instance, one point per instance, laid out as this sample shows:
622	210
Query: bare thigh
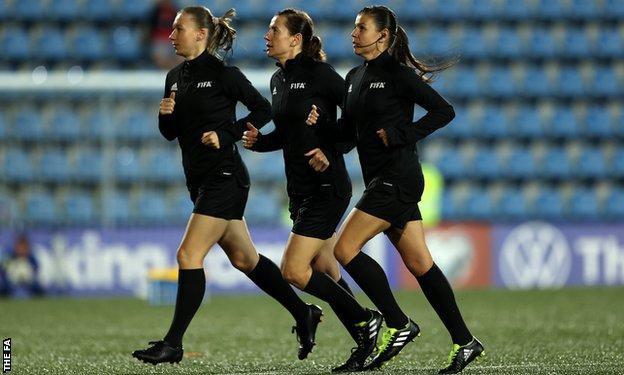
202	232
325	260
357	230
298	258
237	245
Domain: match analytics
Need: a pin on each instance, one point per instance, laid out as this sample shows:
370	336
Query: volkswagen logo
535	254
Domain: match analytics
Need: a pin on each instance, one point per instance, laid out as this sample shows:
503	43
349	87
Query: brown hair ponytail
385	18
299	22
221	34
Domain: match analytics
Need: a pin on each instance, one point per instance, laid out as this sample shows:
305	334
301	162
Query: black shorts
223	196
385	201
317	215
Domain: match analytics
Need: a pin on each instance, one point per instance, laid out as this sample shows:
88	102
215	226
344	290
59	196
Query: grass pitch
571	331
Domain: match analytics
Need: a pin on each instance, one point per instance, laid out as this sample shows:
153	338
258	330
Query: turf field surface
570	331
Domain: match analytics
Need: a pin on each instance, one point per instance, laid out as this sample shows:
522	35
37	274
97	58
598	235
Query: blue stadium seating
438	42
15	42
78	208
51	45
609	43
500	82
133	9
617	163
536	82
583	205
548	204
542	43
451	207
28	124
613	8
614	204
150	207
136	124
606	82
520	164
486	164
116	207
582	9
54	166
576	43
163	165
518	60
64	10
591	163
127	166
451	164
479	204
30	10
180	206
98	124
555	164
264	207
97	10
17	166
512	205
3	127
563	124
494	124
527	123
89	165
40	208
471	43
597	122
126	43
509	44
87	44
63	124
570	82
460	127
516	10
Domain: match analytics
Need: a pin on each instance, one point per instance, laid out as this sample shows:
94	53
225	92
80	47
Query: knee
418	266
344	252
187	259
243	263
294	276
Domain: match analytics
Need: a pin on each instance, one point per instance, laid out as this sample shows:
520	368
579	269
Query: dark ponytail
385	18
221	34
299	22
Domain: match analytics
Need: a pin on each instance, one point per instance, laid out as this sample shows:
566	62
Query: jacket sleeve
166	123
439	112
270	142
239	88
335	130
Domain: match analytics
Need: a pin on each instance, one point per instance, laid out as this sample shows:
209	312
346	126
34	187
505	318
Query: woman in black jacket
378	116
318	185
199	110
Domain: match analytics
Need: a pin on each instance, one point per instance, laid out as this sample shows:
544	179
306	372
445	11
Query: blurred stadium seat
537	93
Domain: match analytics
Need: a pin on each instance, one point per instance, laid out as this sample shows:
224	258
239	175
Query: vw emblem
535	254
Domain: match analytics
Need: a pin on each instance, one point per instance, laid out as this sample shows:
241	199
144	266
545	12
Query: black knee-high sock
438	291
267	276
344	305
369	275
191	288
345	286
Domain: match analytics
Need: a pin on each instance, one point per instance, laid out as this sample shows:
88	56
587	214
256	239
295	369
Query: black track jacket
302	82
380	94
206	95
